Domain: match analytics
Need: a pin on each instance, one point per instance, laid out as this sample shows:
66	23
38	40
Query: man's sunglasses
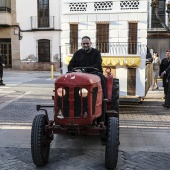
85	43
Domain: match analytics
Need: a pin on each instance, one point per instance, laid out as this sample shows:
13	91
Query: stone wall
34	66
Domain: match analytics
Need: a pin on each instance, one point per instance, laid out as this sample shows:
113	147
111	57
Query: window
5	5
43	13
43	50
155	22
5	44
73	38
102	37
132	38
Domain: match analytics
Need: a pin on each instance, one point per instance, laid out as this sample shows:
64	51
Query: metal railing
5	9
114	48
42	22
148	76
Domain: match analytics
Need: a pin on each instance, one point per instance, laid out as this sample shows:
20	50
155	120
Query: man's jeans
102	83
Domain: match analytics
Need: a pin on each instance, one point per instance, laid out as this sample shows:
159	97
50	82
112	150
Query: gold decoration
129	61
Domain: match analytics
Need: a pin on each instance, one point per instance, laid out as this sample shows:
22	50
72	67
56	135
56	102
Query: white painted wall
28	44
25	9
118	32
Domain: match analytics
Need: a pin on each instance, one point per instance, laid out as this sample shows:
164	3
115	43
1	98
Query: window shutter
73	38
102	37
43	50
132	38
43	13
131	81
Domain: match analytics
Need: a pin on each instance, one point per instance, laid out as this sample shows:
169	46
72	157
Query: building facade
10	47
158	37
31	30
118	29
37	33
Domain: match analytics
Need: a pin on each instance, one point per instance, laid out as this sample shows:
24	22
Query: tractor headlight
61	92
83	92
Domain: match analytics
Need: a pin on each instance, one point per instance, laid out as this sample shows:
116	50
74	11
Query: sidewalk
140	121
144	129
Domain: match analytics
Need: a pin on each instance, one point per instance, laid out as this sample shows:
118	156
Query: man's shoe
101	124
2	84
163	105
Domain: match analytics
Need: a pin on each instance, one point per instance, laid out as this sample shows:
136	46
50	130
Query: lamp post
52	70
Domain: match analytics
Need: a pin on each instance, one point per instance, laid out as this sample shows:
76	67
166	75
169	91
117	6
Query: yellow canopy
130	61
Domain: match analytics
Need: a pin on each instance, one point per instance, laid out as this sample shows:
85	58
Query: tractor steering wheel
91	70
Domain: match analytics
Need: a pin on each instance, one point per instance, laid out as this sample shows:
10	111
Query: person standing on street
165	63
1	68
167	98
149	58
156	64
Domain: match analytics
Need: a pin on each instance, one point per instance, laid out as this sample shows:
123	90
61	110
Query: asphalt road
144	130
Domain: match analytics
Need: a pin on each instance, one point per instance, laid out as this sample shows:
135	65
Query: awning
129	61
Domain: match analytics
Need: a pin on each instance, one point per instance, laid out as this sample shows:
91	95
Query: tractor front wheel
40	143
112	144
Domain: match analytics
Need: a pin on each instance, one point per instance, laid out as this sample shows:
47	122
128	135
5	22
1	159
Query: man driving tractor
80	107
88	57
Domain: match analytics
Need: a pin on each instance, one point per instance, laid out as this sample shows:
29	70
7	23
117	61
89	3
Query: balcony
5	9
111	49
42	23
5	16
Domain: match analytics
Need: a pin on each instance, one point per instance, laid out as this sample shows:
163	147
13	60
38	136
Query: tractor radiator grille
80	103
94	97
63	103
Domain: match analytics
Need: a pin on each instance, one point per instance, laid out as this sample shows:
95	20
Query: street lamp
17	31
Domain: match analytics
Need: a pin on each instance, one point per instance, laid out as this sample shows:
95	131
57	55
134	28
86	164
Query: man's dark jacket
83	59
149	57
165	63
1	62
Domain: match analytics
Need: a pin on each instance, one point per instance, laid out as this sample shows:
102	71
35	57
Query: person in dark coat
1	68
89	57
165	63
167	98
149	58
86	56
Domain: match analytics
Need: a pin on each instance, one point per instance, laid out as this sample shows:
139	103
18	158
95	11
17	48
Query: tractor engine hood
77	79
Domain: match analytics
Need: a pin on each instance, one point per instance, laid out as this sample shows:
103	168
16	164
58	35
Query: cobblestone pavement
144	130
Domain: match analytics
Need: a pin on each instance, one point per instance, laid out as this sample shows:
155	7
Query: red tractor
78	108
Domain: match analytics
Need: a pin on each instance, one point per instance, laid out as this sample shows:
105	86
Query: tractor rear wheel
112	144
115	96
40	144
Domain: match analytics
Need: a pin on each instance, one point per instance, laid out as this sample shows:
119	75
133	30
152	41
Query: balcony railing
120	48
42	22
5	9
5	15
